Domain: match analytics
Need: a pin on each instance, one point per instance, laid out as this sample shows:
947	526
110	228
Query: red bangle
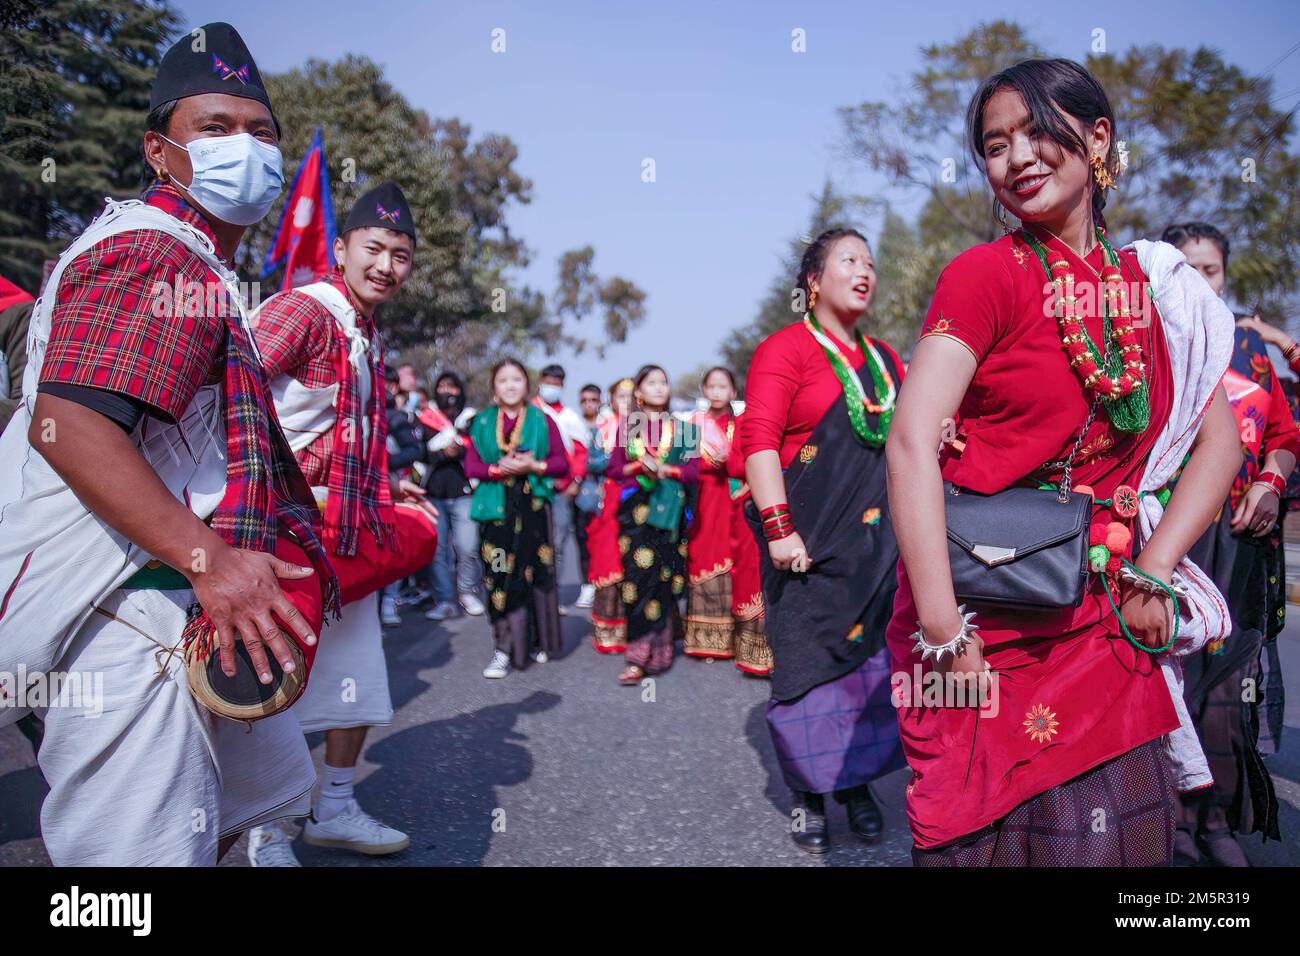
1273	480
782	508
777	534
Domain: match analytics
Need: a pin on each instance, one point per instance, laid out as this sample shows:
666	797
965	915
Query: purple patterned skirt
840	734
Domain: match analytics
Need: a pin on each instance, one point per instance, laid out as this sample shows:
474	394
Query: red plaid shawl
264	488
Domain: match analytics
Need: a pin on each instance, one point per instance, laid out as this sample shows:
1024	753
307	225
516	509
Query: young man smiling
321	350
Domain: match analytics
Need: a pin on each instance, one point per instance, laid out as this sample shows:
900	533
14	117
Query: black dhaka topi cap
385	206
209	59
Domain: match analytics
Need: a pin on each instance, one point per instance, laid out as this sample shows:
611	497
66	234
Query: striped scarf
264	487
358	483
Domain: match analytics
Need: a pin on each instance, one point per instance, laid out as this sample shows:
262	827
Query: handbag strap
1067	464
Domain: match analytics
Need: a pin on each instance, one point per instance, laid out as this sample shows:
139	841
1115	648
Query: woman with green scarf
516	456
656	462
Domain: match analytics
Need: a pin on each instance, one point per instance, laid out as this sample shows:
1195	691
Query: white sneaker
539	657
354	829
388	612
499	667
441	611
269	846
471	604
586	596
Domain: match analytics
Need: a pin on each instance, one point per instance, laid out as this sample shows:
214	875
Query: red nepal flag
304	239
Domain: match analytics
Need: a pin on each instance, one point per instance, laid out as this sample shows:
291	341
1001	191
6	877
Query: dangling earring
812	298
1000	217
1099	171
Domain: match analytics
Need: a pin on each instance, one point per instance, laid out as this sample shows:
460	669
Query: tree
1203	137
74	91
579	291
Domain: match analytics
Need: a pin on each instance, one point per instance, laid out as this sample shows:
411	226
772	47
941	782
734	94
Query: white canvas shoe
539	657
388	612
354	829
499	666
586	596
269	846
471	604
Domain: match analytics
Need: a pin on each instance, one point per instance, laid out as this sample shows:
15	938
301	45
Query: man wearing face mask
144	486
322	351
574	434
456	569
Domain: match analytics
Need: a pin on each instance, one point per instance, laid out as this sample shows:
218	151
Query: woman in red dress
710	626
1069	766
819	397
605	568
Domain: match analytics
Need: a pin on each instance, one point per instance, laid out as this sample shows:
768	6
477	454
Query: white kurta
151	778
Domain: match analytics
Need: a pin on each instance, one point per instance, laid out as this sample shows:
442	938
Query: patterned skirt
654	576
841	734
519	574
1120	813
710	628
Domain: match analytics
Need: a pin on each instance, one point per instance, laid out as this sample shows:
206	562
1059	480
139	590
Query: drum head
244	697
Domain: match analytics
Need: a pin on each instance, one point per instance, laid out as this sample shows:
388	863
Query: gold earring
1099	171
812	298
1000	217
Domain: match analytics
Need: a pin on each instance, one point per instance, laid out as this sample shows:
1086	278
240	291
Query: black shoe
1186	852
865	819
808	828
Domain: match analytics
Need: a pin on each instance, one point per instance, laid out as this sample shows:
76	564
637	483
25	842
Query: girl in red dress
709	623
1069	767
605	568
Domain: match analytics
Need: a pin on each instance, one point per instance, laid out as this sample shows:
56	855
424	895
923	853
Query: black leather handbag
1022	547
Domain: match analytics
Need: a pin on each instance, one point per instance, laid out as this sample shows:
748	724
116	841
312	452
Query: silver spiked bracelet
955	646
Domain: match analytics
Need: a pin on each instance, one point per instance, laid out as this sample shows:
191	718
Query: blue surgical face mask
550	393
236	178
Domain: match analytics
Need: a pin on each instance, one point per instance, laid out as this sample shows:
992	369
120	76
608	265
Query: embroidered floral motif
545	554
855	634
665	573
643	557
487	552
871	516
624	542
1020	256
528	575
807	453
1040	724
640	513
751	608
652	610
681	548
499	600
629	592
940	326
679	583
538	504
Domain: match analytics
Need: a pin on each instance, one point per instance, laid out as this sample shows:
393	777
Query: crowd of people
1069	498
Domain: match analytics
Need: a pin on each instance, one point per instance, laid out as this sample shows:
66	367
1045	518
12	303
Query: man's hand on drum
239	591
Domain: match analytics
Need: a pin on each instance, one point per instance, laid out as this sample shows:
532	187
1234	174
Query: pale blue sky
742	130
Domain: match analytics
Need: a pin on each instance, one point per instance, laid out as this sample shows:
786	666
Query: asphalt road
559	765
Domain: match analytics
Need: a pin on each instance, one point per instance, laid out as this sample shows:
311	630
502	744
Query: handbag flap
1000	528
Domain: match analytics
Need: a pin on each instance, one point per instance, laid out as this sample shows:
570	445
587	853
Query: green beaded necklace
1132	412
854	397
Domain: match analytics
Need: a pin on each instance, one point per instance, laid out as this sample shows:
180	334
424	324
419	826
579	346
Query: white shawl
1198	330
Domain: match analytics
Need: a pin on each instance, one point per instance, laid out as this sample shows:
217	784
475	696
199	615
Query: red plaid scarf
264	486
358	477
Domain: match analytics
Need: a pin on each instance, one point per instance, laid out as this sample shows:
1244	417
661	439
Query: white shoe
539	657
471	604
354	829
388	612
499	667
586	597
441	611
269	846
